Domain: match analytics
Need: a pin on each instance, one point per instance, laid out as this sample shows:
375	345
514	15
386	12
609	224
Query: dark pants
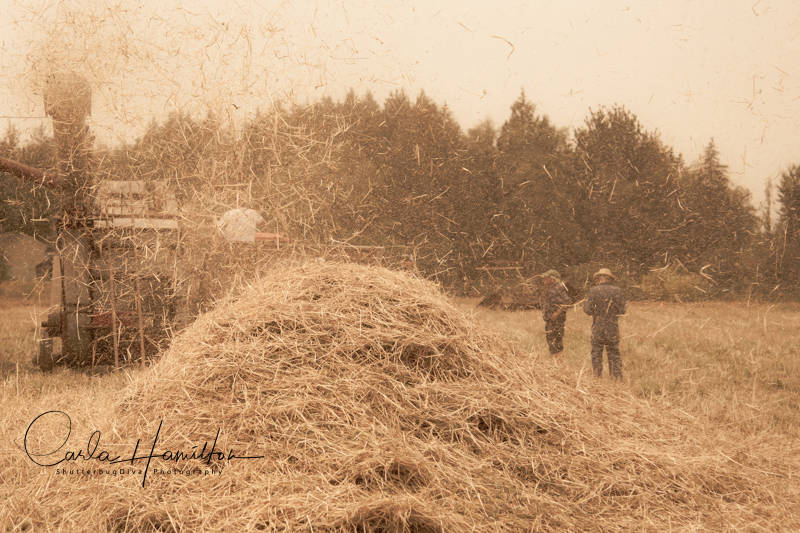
609	341
554	333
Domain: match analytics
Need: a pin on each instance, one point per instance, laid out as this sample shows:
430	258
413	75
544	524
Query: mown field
733	363
732	367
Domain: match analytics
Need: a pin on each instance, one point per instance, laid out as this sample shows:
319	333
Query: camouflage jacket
555	298
605	302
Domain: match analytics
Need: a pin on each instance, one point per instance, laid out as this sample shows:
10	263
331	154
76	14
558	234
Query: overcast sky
692	70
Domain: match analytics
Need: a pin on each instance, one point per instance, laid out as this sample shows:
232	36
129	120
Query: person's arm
561	302
588	304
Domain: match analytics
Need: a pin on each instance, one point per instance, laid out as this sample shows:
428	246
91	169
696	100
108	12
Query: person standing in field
554	311
605	303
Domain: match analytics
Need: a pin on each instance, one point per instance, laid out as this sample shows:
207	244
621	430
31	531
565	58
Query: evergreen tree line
473	208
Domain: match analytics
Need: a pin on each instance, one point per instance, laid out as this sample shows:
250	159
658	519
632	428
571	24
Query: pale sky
692	70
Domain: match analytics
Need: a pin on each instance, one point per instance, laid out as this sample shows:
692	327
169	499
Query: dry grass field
733	364
728	371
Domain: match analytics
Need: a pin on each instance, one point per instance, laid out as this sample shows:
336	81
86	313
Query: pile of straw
378	406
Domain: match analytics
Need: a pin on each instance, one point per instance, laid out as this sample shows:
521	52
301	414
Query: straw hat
604	272
552	274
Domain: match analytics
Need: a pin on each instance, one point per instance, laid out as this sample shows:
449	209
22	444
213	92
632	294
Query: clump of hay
378	406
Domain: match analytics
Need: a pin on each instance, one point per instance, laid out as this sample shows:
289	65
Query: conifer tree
722	222
628	181
788	230
536	223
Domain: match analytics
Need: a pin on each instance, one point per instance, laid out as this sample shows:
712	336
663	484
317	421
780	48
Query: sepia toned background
404	177
691	70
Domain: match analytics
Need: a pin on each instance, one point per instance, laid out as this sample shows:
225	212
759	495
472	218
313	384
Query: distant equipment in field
114	253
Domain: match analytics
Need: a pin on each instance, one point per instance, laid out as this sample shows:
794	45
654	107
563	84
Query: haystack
379	406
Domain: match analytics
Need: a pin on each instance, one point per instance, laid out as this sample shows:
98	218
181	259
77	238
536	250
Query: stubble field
731	367
733	363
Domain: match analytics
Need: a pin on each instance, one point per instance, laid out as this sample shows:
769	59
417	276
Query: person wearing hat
554	311
605	303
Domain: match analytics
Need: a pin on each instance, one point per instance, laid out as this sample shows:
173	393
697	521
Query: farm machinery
123	271
113	251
